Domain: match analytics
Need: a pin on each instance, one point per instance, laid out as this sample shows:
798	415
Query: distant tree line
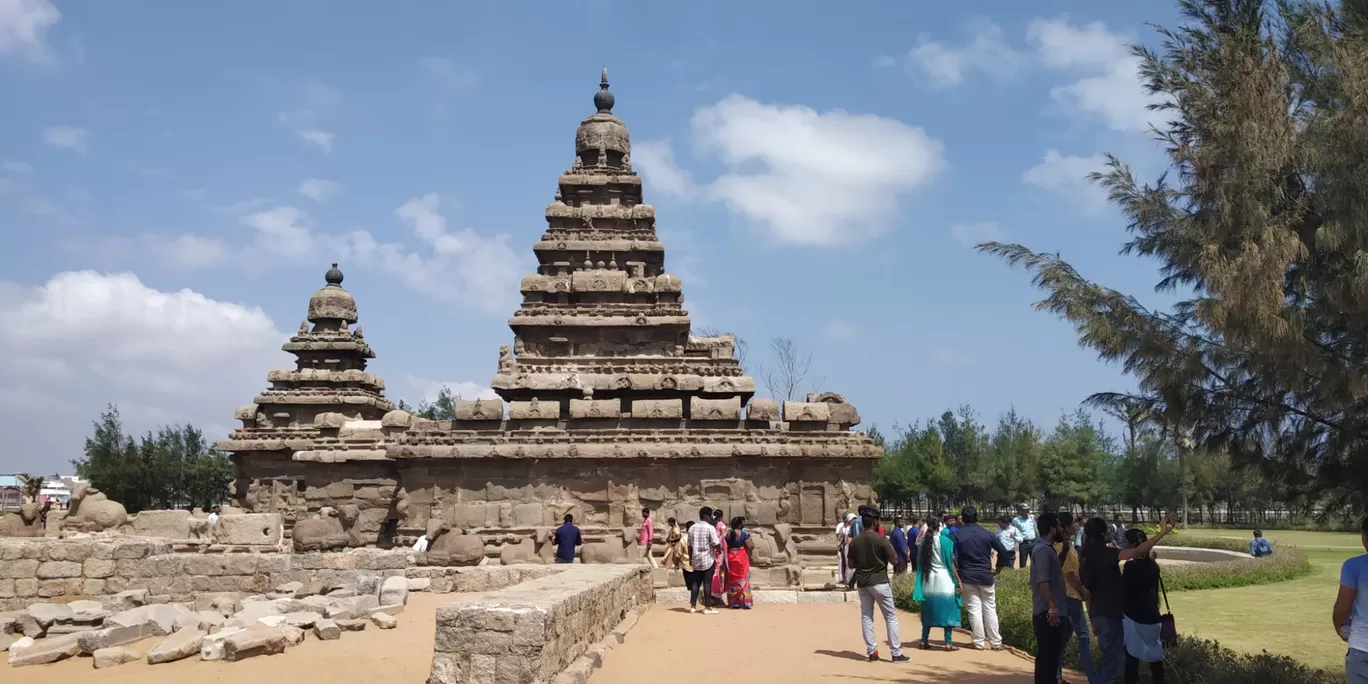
174	467
957	459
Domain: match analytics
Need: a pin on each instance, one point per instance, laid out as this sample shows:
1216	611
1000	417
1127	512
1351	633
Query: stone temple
608	404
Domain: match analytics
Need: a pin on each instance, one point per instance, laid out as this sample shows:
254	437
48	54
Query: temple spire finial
603	99
333	276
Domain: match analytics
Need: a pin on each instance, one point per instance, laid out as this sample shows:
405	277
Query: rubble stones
327	630
254	641
352	607
5	641
355	625
394	590
302	619
47	613
44	651
117	635
114	655
178	646
294	636
290	588
384	620
20	644
211	647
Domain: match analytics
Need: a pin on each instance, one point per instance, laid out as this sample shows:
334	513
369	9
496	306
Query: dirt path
792	643
402	655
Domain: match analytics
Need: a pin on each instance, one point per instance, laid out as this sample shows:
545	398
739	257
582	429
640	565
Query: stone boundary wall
40	570
532	631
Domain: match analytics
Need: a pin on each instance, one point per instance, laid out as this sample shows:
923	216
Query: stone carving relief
505	358
92	511
614	549
26	522
451	546
325	531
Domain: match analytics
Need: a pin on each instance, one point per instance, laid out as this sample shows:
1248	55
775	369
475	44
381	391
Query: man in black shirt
1100	572
974	547
567	538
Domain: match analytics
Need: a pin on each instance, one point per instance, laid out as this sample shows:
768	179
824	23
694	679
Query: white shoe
709	611
692	610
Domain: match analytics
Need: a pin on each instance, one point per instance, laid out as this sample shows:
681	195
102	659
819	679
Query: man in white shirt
1025	523
214	515
703	547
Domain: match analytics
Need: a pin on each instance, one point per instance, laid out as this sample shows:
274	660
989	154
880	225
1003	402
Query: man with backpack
1258	546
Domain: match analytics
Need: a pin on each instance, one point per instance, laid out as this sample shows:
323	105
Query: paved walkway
791	643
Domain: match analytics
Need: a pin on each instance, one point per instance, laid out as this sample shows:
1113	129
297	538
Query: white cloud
838	329
422	389
188	252
319	190
85	339
976	233
1068	176
656	161
806	177
944	66
15	165
453	78
321	139
24	25
463	267
67	137
1108	87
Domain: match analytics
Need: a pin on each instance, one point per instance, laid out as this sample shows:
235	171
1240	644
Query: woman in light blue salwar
937	585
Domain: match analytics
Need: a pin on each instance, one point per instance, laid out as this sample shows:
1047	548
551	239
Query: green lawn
1288	618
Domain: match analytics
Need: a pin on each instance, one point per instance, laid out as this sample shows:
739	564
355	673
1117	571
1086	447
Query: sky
176	177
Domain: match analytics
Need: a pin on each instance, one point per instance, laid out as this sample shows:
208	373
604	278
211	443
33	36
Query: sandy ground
792	643
402	655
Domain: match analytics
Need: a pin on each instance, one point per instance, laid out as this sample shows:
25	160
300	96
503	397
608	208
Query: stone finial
604	99
333	276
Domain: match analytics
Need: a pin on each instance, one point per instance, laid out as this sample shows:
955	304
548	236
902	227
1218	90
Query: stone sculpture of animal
448	546
28	522
533	549
92	511
613	549
323	532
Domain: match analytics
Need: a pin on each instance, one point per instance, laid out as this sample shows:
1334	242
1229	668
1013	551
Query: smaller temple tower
330	368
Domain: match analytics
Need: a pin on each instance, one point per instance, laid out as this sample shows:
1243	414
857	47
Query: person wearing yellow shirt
1076	595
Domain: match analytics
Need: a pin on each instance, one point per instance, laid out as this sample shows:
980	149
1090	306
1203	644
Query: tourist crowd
1092	580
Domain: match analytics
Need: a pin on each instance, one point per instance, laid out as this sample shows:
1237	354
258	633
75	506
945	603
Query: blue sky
176	177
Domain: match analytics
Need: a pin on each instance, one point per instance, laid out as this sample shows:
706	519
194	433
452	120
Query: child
1010	537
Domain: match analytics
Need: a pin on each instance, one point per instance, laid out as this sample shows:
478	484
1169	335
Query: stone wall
36	570
530	632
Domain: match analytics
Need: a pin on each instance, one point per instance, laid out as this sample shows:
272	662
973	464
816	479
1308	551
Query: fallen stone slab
352	607
289	588
178	646
47	613
368	584
87	612
211	647
164	618
118	635
394	591
419	584
124	600
20	644
60	628
114	655
44	651
302	619
255	641
20	623
327	630
294	636
209	620
384	621
395	609
352	625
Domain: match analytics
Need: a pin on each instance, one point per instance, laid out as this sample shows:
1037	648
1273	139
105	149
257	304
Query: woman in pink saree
739	545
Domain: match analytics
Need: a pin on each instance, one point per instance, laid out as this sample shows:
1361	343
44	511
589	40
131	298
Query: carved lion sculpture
92	511
28	522
448	546
323	532
614	549
534	550
786	549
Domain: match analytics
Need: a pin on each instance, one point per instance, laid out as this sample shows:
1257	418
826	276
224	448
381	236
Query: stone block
178	646
418	584
95	568
392	609
172	524
479	409
44	651
58	570
844	415
47	613
394	590
354	607
210	620
384	620
254	641
211	647
448	668
327	630
87	611
762	409
595	408
330	420
294	636
303	619
534	410
5	641
357	625
714	409
114	655
396	419
23	568
807	412
663	409
261	529
118	635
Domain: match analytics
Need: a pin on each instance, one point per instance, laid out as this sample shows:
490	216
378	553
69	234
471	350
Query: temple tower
602	318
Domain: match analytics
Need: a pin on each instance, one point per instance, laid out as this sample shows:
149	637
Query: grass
1289	618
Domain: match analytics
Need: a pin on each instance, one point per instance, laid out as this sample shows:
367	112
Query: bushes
1196	661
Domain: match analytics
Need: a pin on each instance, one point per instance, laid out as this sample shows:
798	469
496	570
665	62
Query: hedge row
1195	660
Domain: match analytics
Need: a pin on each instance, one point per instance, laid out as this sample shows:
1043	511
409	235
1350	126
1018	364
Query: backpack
1263	547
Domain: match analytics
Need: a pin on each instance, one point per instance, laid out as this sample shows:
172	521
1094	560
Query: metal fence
1214	516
